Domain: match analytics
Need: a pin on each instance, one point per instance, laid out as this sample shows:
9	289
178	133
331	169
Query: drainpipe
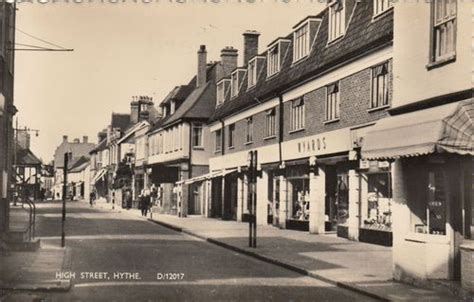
280	126
190	169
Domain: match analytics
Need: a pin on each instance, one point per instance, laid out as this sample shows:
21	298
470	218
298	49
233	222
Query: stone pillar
354	205
223	199
317	204
283	215
209	197
245	194
240	197
262	199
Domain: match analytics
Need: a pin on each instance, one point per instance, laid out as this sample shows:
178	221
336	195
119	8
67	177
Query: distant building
78	149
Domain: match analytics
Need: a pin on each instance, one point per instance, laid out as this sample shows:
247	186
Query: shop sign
364	164
325	143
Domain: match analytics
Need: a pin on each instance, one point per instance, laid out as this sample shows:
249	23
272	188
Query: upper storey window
443	29
337	20
221	91
301	42
273	65
381	6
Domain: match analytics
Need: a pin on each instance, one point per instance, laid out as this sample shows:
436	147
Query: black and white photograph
236	150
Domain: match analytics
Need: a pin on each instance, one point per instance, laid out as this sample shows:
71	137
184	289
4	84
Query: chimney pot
65	138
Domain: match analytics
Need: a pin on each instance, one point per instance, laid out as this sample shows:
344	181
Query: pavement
361	267
26	270
120	256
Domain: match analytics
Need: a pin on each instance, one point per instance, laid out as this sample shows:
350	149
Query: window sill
427	238
335	40
231	147
198	148
217	151
251	87
331	121
296	131
381	14
378	108
441	62
269	77
302	59
269	137
248	143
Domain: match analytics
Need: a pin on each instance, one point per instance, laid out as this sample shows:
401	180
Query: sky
122	50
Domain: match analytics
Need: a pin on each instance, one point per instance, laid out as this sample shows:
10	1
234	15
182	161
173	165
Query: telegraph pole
63	221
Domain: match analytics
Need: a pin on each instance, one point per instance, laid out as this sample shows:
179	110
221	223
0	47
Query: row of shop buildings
362	121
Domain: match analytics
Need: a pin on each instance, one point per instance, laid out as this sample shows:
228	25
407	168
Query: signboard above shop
321	144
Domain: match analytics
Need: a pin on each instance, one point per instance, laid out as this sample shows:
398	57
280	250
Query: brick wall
355	98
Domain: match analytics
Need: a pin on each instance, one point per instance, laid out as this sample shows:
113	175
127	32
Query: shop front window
429	202
300	199
379	195
342	199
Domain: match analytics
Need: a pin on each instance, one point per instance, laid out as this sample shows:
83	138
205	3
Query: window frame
435	57
377	11
333	101
221	95
218	140
273	59
231	139
340	15
249	130
252	73
297	115
374	91
201	138
298	44
270	123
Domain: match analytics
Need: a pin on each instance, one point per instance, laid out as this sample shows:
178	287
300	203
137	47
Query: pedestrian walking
145	202
92	198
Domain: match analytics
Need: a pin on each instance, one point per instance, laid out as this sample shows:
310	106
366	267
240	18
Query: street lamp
253	172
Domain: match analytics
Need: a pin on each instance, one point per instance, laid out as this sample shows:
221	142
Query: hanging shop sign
320	144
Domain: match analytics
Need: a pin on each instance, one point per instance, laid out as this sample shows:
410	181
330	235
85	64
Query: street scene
199	151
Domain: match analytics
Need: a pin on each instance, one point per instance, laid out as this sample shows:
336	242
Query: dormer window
273	65
221	91
236	81
172	107
252	73
381	6
337	20
301	42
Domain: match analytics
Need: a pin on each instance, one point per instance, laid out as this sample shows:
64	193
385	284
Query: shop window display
379	213
300	199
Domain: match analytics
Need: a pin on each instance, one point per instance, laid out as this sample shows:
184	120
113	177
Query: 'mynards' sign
320	144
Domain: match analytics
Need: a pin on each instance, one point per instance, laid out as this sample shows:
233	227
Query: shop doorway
216	197
337	200
230	197
195	199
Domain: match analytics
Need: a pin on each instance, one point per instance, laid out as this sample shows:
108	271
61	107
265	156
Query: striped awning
99	175
446	128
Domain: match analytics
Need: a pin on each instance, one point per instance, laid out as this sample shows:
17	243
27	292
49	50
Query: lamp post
252	163
67	155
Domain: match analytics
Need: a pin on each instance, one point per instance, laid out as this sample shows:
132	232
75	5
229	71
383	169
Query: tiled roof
79	164
100	146
362	36
179	93
120	120
26	157
199	104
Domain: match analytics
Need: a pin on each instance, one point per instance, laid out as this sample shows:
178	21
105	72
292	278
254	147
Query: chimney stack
134	109
85	139
250	44
64	138
228	61
201	78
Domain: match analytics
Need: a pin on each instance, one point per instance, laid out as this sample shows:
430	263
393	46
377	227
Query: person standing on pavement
92	198
146	202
